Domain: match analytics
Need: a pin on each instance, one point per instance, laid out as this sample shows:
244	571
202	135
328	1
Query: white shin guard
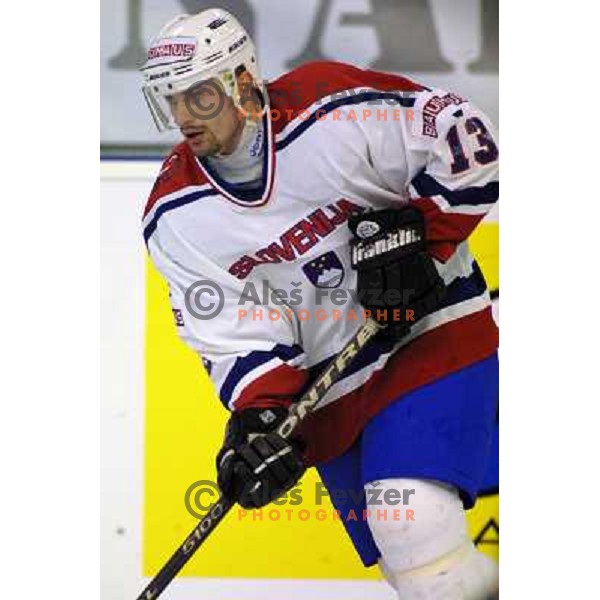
428	557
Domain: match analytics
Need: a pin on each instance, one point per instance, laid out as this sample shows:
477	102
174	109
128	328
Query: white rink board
279	589
122	390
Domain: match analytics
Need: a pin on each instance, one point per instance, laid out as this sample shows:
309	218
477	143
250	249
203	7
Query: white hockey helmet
190	49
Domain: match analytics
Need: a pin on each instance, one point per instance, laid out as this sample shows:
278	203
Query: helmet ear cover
211	46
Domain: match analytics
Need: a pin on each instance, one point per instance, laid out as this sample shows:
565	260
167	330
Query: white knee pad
425	549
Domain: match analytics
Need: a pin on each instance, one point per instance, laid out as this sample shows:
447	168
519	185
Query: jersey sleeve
252	362
442	156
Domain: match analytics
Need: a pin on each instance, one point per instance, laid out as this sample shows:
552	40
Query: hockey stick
298	411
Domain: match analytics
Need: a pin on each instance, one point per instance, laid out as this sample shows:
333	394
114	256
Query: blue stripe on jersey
404	101
465	288
426	185
245	364
176	203
365	357
459	290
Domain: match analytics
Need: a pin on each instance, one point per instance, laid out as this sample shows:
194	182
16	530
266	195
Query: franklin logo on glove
389	253
365	229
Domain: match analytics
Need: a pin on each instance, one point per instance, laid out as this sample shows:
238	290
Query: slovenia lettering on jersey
299	238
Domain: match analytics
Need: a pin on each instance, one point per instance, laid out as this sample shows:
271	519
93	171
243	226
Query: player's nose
181	113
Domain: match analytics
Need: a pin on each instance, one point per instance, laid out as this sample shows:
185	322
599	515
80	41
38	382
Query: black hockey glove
255	464
395	274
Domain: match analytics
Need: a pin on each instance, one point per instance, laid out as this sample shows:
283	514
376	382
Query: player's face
210	123
245	79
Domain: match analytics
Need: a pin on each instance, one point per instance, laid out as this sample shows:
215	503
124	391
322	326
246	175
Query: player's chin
202	148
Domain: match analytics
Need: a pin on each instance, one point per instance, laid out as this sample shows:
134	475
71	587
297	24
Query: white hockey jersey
272	266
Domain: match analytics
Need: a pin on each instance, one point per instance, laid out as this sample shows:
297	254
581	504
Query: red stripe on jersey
298	89
276	387
179	170
445	230
433	355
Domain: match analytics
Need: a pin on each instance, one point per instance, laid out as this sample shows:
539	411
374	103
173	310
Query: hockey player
333	182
